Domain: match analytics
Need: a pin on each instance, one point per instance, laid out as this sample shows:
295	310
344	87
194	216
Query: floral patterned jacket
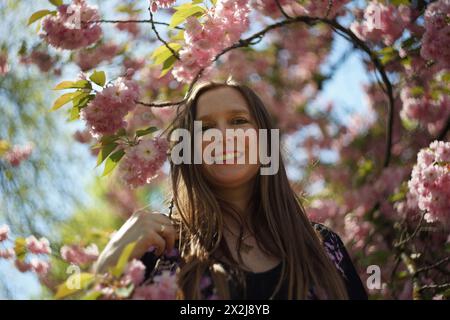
261	285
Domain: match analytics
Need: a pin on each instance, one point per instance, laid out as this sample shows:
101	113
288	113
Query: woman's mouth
228	155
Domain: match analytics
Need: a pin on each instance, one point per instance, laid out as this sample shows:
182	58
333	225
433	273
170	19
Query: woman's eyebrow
234	111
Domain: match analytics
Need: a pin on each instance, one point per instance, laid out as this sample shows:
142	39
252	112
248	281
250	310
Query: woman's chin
230	174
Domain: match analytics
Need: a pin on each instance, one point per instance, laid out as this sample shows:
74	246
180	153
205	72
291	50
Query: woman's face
225	108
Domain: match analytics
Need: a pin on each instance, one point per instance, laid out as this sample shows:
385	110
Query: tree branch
133	21
174	53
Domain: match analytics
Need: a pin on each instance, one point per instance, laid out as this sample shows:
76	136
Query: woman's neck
238	196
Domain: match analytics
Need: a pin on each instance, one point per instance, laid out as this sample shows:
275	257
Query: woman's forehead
220	100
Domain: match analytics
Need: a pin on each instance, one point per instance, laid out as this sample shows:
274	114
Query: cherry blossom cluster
382	22
76	254
222	27
70	28
436	39
90	58
105	114
39	248
430	182
17	154
142	162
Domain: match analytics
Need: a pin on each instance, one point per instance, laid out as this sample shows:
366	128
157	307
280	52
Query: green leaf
82	100
178	36
417	91
98	77
74	114
124	292
65	98
66	289
94	295
38	15
105	152
183	12
144	132
20	248
446	77
163	53
123	260
56	3
80	84
399	2
112	161
167	66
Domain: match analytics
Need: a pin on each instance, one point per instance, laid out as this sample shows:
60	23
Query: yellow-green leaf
20	248
178	36
38	15
183	12
67	288
163	53
98	77
123	259
94	295
56	2
112	161
4	147
167	66
80	84
105	152
65	98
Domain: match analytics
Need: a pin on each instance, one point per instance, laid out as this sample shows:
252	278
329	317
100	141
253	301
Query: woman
239	234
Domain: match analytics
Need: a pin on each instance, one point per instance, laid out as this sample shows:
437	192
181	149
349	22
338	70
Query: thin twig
435	287
174	53
433	266
283	12
133	21
413	235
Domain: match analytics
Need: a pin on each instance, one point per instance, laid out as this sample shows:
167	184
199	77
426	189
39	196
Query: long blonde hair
278	220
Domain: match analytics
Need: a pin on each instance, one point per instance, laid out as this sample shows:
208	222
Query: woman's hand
147	229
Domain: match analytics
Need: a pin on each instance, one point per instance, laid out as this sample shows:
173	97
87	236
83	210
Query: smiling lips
228	155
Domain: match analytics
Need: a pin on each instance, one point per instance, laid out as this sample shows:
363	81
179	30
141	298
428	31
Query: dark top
261	285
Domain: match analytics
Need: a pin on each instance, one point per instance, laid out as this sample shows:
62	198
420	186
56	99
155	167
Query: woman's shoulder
326	234
337	252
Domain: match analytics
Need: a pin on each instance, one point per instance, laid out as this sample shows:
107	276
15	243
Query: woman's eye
239	121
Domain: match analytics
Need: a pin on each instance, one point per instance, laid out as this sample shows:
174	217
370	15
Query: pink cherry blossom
424	107
132	28
105	113
89	58
436	39
134	272
222	27
82	136
41	246
42	59
4	232
142	162
18	153
155	4
41	267
4	66
7	253
70	28
22	265
430	182
382	23
78	255
163	288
